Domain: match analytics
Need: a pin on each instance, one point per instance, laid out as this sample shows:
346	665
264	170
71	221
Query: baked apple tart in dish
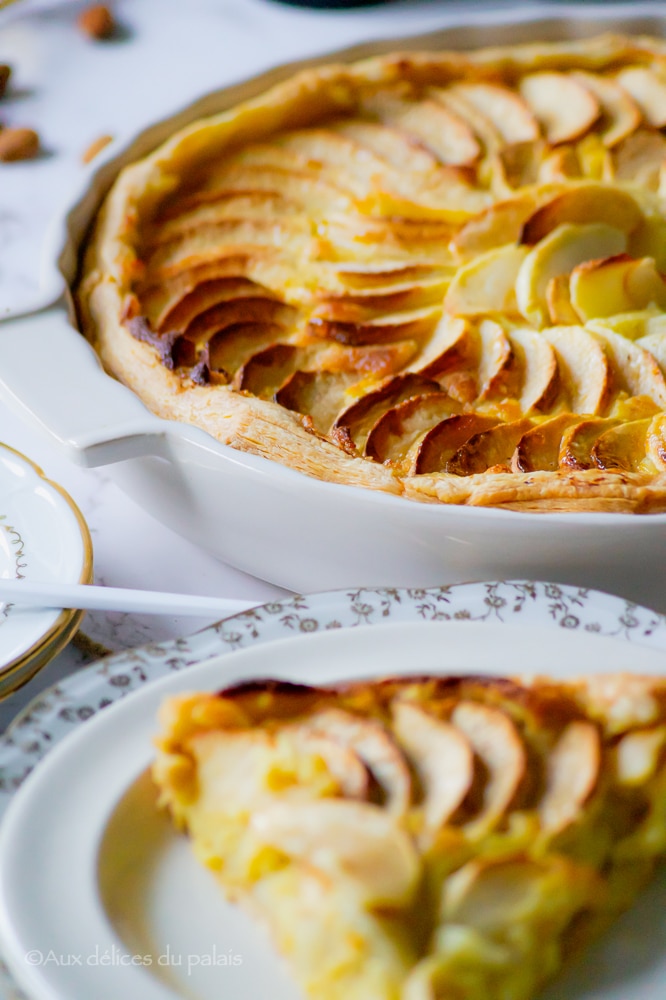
434	838
437	275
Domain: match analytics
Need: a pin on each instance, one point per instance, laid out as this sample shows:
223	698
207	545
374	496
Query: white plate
123	909
42	537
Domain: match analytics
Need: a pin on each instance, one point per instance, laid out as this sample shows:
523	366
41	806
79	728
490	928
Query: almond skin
18	144
96	147
5	73
96	22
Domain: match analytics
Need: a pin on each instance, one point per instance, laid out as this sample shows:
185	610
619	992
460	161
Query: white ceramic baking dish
271	521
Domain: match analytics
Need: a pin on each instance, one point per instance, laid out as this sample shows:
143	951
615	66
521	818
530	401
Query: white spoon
89	598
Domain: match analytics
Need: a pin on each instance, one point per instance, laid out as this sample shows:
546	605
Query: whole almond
5	73
96	21
96	147
18	144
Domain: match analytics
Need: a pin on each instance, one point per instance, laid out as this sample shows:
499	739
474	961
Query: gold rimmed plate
44	537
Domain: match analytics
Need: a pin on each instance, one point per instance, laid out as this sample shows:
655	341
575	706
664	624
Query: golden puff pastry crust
435	274
423	838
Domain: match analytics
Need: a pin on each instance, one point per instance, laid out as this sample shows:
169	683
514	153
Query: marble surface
72	90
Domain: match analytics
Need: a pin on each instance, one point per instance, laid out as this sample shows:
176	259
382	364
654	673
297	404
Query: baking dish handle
51	375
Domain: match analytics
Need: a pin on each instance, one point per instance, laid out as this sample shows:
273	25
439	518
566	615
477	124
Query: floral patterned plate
43	537
122	907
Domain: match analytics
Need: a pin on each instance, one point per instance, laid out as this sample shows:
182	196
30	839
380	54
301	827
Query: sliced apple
656	441
579	440
398	428
495	362
622	447
487	283
230	349
564	108
318	395
352	839
496	742
439	130
391	145
520	163
560	165
634	368
504	108
620	115
583	366
637	755
384	329
498	225
442	442
539	448
539	369
655	344
453	345
442	758
584	203
491	449
264	372
599	288
558	253
558	299
355	423
639	158
573	768
616	285
370	742
648	91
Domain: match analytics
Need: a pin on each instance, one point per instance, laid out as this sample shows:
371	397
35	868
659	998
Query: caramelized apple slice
375	747
398	428
647	90
634	369
488	450
622	447
496	742
583	367
266	370
453	345
579	440
563	107
355	423
487	283
318	395
442	758
539	448
495	362
620	115
558	300
498	225
537	363
383	329
558	253
584	203
442	442
656	441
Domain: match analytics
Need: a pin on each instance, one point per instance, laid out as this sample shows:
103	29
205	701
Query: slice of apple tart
434	838
439	275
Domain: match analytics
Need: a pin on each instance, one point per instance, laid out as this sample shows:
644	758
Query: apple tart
435	274
433	838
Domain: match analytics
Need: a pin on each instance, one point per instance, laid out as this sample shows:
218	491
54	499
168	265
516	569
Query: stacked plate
42	537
